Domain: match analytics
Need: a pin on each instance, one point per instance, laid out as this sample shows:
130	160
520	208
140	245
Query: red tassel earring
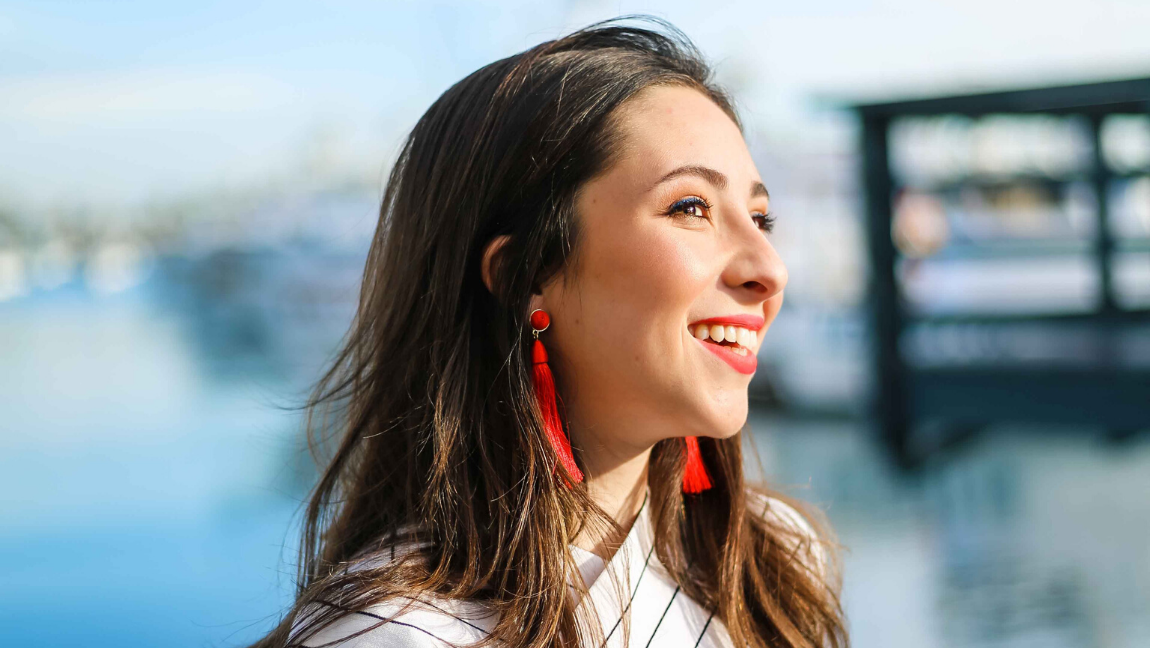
545	396
695	478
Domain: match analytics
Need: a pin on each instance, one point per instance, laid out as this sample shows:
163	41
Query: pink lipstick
752	322
744	364
734	349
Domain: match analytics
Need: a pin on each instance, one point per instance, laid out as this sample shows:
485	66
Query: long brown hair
427	420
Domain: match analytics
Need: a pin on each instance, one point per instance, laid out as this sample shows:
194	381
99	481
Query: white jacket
661	614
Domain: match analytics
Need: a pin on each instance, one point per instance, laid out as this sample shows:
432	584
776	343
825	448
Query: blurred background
958	376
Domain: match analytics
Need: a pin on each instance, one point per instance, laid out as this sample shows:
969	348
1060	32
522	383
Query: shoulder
777	511
804	539
406	622
371	629
416	621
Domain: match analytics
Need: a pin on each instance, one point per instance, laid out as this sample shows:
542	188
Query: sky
122	103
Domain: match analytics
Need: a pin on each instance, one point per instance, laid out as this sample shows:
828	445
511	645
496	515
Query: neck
617	481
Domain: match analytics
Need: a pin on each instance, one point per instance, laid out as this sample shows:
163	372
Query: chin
730	431
719	413
726	422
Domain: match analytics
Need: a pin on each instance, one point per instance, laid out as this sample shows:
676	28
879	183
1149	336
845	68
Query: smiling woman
542	396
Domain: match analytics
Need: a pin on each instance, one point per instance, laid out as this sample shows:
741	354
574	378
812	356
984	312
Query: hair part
426	421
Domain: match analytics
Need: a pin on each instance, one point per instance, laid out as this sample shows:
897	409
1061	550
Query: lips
752	322
732	338
744	364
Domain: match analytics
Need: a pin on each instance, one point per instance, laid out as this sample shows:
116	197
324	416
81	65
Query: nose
755	269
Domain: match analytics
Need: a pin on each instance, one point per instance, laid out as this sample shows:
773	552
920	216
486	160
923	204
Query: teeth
742	337
718	333
745	338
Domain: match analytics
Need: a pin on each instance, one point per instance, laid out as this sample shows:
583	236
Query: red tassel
695	478
545	395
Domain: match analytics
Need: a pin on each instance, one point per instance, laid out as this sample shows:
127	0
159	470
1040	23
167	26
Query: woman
540	402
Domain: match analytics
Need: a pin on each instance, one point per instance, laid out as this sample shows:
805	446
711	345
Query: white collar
639	541
660	613
657	607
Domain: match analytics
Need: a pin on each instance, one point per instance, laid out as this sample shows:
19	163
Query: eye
692	206
766	222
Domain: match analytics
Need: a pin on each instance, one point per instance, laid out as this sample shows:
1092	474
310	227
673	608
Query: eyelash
766	222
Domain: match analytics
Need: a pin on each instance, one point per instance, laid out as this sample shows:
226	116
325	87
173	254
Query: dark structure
1103	386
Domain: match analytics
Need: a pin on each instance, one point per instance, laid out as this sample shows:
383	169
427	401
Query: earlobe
489	263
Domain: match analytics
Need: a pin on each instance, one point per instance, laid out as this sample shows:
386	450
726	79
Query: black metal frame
1107	394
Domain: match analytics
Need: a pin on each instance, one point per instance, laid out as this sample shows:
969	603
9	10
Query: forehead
664	127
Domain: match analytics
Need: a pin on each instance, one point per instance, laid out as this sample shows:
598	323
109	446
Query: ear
490	253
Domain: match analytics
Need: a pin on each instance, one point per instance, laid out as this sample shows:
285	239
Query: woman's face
671	250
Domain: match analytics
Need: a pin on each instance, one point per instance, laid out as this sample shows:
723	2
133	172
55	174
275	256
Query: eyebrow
712	176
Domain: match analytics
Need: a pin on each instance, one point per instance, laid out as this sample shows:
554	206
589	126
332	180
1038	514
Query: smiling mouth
737	339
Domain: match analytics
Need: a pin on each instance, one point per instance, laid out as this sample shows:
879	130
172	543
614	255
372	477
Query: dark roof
1124	95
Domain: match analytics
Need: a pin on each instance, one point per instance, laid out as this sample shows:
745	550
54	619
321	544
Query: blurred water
149	476
1027	537
144	496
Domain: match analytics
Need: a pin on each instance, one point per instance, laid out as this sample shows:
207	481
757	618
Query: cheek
637	292
650	279
627	353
